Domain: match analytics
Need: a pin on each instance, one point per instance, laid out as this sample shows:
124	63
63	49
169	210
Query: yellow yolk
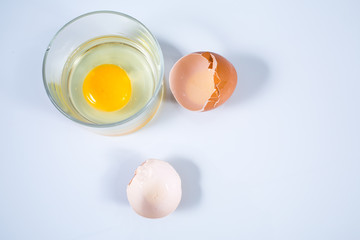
107	88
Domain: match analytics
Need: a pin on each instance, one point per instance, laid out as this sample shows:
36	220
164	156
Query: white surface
280	160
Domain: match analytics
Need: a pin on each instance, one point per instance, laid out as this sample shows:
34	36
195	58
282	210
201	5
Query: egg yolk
107	88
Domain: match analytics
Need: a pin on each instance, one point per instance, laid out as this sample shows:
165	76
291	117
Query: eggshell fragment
202	81
155	190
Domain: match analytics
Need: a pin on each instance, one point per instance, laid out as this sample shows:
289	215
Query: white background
279	160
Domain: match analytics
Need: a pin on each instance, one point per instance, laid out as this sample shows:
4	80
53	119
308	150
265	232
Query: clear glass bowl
90	26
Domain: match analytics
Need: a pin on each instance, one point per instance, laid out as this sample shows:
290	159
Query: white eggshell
155	190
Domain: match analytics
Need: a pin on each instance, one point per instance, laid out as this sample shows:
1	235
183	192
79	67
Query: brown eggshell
202	81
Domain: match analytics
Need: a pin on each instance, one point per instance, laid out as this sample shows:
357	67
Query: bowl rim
158	87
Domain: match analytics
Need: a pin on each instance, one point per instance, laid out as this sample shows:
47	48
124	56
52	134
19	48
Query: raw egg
202	81
155	190
107	88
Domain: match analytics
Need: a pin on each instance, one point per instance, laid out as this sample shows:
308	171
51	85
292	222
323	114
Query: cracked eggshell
202	81
155	190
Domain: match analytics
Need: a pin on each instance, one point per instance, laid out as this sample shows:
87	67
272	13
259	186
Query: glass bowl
84	29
